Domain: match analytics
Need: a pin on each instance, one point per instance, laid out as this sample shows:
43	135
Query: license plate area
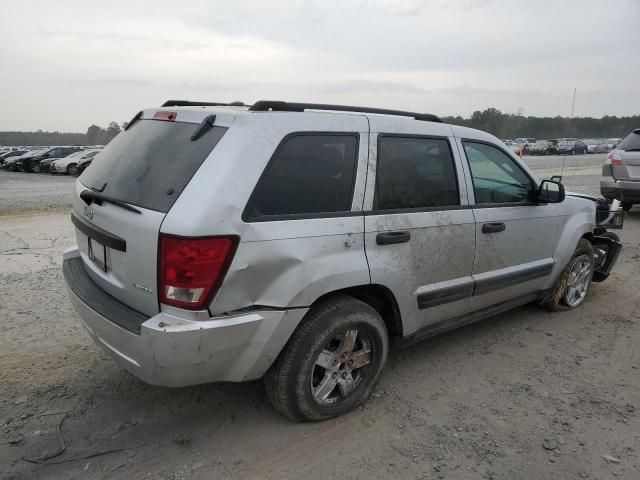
97	253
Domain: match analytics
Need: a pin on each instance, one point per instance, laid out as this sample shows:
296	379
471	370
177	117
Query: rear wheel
626	206
572	286
331	363
72	169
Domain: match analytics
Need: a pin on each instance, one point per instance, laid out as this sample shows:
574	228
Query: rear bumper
630	190
177	348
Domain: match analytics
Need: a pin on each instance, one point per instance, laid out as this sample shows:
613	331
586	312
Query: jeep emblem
88	212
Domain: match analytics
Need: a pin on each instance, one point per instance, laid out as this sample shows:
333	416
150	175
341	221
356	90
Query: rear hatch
629	150
122	198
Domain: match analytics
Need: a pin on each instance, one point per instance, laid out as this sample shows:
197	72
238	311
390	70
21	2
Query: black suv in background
32	164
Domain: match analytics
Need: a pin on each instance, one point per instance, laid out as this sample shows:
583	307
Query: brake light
192	269
614	159
165	116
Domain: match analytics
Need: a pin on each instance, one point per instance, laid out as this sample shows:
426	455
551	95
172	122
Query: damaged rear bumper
174	350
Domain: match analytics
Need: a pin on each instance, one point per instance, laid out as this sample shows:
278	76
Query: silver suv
621	173
295	242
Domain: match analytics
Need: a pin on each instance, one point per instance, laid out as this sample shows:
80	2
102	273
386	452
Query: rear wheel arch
379	297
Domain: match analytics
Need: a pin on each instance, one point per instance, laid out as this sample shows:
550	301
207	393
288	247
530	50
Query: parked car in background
591	144
204	255
85	162
603	148
607	145
579	147
571	146
621	173
12	163
70	163
518	145
32	163
45	164
9	149
12	153
543	147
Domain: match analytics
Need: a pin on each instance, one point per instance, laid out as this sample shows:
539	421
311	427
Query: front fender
577	218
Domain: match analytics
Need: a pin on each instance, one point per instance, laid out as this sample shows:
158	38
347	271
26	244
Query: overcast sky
65	65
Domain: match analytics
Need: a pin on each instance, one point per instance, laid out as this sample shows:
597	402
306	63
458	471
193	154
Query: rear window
309	174
150	164
631	142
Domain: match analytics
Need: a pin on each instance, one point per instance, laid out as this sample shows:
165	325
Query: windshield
151	163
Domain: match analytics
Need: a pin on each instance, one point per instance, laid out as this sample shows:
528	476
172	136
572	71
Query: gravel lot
524	395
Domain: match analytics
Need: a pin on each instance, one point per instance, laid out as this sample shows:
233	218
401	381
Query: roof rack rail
187	103
280	106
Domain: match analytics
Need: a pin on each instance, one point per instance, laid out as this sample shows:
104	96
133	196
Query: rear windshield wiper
89	196
204	127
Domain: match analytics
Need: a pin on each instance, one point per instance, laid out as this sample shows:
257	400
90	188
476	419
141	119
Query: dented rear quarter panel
279	263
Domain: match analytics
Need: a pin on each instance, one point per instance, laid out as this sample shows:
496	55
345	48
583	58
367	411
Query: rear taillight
166	116
614	159
192	269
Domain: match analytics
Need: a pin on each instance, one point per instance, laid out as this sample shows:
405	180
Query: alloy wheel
340	367
578	281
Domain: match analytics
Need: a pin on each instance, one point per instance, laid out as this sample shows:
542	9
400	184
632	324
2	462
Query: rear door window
150	164
309	174
415	172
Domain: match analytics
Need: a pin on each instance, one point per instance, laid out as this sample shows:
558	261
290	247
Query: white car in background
68	164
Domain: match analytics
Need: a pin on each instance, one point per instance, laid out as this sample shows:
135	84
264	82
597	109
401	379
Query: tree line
509	125
492	120
94	135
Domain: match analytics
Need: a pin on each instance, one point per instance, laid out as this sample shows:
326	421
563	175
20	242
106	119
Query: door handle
493	227
389	238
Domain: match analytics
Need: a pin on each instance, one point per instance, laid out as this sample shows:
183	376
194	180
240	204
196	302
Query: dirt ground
524	395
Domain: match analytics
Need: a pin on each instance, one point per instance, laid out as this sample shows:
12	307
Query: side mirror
550	192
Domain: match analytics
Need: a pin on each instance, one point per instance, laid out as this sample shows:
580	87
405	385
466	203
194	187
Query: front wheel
72	169
626	206
35	168
331	363
572	286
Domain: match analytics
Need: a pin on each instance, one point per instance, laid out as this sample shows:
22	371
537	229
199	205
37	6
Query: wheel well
381	299
588	236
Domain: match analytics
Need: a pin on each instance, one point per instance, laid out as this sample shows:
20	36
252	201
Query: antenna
564	158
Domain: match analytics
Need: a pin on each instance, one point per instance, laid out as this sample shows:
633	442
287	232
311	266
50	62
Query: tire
559	298
72	169
626	206
326	331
